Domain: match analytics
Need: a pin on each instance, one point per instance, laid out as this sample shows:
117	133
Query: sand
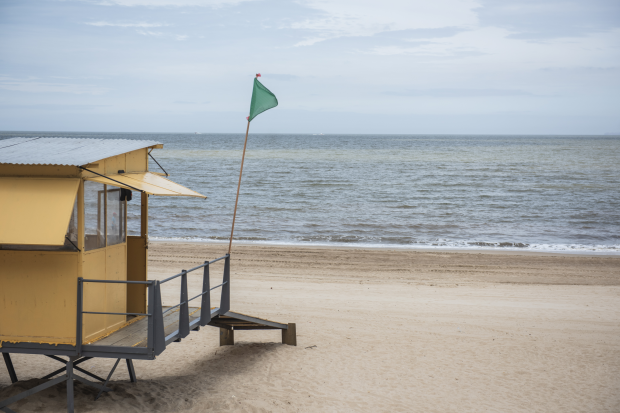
379	331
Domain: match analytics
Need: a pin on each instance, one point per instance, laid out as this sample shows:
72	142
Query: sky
338	66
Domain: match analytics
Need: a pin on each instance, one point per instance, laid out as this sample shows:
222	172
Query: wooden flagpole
238	186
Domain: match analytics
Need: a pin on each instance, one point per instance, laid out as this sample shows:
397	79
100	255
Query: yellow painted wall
134	161
116	294
137	161
38	296
114	164
108	263
93	264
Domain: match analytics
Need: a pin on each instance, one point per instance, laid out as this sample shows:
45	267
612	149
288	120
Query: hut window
70	243
116	213
94	215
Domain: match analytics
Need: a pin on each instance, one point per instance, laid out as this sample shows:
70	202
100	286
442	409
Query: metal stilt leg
107	380
70	398
68	378
24	394
131	370
75	363
9	367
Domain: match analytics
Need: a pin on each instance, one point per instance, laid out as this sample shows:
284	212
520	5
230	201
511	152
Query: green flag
262	100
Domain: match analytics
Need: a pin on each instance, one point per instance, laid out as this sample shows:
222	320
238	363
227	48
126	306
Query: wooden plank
229	321
214	324
126	335
257	328
254	319
172	327
171	324
135	334
140	338
122	333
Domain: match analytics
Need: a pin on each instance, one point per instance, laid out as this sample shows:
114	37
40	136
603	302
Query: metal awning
148	182
36	211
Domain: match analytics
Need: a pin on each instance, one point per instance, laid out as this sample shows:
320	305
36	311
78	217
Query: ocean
539	193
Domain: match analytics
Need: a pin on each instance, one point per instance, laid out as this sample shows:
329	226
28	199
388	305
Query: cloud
149	33
54	107
139	25
368	17
312	40
35	86
455	44
547	19
583	69
416	34
443	93
169	3
184	102
283	77
142	28
429	49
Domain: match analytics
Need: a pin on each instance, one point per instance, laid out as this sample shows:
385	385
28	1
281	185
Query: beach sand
378	330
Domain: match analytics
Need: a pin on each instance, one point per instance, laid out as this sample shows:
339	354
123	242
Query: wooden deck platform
135	334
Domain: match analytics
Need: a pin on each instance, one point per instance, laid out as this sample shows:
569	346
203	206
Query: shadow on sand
209	373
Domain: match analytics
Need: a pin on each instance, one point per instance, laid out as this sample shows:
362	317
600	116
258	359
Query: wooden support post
144	214
144	234
80	223
289	336
227	337
137	261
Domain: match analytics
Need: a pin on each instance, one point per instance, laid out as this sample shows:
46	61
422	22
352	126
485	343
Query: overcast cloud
339	66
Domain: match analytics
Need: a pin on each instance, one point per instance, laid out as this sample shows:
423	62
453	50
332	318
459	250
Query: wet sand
378	330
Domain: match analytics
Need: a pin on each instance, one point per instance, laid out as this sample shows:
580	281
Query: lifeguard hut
72	282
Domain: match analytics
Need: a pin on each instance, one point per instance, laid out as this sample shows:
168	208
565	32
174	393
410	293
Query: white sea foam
443	245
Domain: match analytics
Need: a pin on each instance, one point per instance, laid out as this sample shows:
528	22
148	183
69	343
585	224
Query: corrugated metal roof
65	151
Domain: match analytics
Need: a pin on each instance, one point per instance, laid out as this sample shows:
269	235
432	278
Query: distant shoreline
391	247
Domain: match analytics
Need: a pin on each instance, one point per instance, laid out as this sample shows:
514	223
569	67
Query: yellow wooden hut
63	215
72	282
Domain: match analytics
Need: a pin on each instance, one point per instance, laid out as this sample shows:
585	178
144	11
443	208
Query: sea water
545	193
